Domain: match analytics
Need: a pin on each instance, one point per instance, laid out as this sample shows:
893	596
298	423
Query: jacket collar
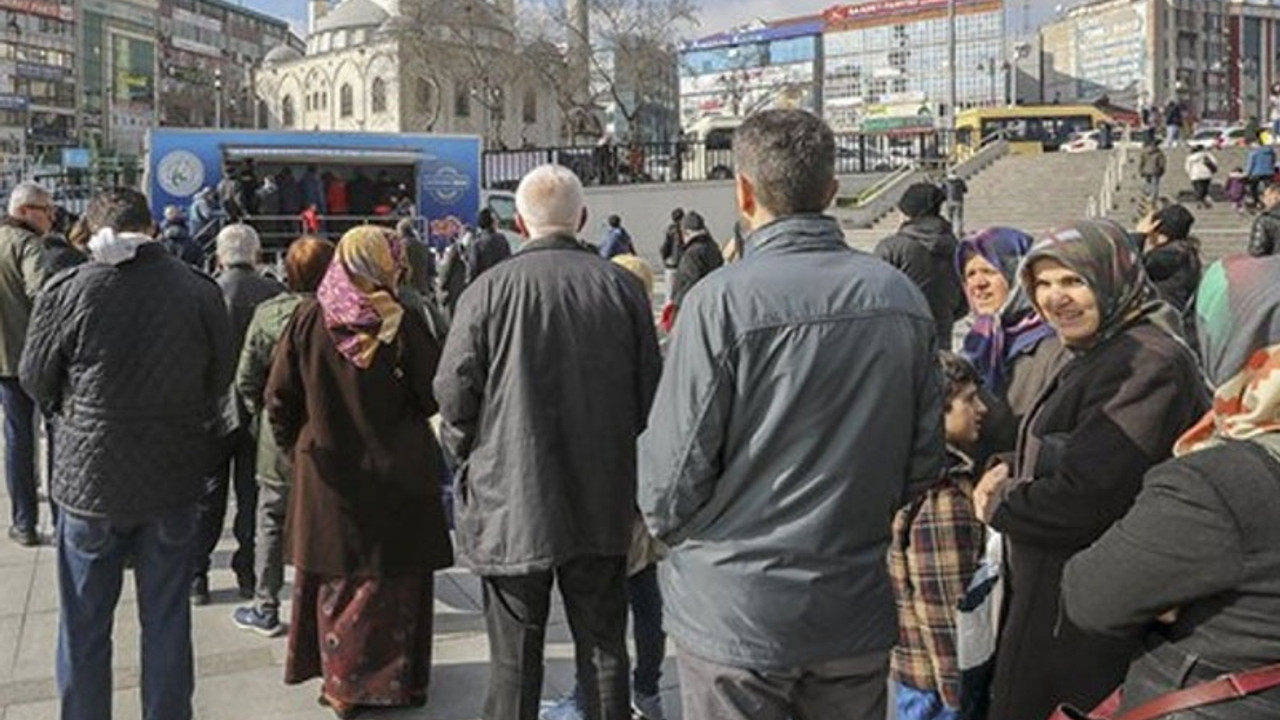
554	242
21	224
808	231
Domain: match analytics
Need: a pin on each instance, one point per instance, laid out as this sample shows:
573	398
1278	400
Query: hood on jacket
933	231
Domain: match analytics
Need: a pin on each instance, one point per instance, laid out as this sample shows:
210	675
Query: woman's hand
992	482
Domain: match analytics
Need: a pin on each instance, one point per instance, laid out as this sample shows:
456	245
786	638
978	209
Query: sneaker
565	708
26	537
200	590
264	622
647	707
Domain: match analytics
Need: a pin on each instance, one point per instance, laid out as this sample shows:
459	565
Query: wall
646	209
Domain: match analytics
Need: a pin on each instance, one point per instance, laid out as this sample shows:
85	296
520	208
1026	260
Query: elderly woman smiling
1128	390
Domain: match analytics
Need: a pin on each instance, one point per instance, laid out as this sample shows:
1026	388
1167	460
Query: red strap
1227	687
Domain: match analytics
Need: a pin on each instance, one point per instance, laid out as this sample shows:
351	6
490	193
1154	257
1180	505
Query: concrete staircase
1221	230
1031	192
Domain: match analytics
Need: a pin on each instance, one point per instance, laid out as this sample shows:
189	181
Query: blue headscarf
996	339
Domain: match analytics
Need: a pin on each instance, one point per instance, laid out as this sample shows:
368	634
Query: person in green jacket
305	265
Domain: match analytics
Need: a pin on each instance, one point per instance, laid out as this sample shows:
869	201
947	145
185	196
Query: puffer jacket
925	249
773	471
132	360
21	275
260	340
1151	163
1264	238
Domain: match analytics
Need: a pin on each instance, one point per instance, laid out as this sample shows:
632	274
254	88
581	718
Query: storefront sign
10	101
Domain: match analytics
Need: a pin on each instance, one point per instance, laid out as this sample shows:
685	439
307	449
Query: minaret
579	37
316	9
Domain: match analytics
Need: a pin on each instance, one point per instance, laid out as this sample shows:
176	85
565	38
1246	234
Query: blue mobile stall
442	172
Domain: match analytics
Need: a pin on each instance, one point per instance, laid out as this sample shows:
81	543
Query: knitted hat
921	199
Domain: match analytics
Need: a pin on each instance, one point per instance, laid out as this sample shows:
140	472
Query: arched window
286	111
345	101
379	95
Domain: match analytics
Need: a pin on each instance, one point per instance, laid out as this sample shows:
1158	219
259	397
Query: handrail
1112	179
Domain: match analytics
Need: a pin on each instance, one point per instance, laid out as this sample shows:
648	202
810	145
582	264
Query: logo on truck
447	184
180	173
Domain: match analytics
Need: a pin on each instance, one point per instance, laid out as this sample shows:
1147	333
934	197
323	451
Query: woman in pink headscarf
349	395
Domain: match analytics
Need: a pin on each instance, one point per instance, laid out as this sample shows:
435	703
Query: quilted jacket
131	359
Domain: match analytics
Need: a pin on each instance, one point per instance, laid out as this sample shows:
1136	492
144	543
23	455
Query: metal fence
686	160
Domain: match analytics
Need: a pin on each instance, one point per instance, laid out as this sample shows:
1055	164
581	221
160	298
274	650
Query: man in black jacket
699	256
130	355
243	290
544	385
1265	237
925	249
672	244
488	248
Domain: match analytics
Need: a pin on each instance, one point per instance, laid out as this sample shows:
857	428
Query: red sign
38	7
886	8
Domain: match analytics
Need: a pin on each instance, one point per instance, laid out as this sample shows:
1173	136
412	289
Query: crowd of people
793	478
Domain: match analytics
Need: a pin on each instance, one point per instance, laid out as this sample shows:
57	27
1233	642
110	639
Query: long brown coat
1108	416
366	498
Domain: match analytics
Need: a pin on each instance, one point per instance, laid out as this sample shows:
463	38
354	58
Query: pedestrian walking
233	468
487	248
1172	123
936	548
924	248
1190	570
699	257
1112	412
305	264
545	383
672	243
956	189
130	354
1236	189
349	397
1264	238
1200	167
30	218
453	273
1151	167
750	493
616	239
1260	166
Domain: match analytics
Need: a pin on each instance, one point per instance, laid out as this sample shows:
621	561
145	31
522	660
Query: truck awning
322	155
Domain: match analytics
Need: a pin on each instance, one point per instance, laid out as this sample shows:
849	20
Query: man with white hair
543	386
30	218
243	289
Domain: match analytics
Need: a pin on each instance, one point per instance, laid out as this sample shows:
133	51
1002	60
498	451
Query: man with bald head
544	385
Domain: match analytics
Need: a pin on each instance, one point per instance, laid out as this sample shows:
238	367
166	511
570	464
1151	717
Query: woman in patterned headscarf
1200	549
350	394
1127	392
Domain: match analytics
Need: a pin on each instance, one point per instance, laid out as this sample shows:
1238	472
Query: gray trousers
273	503
852	689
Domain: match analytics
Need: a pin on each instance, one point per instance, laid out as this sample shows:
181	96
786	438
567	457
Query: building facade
119	92
636	84
38	68
359	71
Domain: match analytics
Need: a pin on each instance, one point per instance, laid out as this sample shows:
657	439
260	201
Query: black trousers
236	465
1202	189
595	603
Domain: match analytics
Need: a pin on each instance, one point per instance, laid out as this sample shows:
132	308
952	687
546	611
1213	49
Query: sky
714	15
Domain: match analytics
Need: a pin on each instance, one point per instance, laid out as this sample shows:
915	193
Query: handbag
1224	688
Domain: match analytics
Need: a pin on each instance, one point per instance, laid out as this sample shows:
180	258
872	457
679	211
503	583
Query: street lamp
217	104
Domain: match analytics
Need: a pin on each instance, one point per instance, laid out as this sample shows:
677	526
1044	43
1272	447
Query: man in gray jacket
799	407
544	384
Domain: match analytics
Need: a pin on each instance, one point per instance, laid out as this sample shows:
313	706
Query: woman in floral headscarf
350	394
1129	389
1200	549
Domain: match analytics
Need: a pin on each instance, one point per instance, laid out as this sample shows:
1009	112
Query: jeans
238	464
91	557
20	453
914	704
1152	187
1202	190
1171	135
516	610
853	689
273	504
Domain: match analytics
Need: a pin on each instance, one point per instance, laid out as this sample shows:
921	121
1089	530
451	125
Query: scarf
996	339
1238	313
357	295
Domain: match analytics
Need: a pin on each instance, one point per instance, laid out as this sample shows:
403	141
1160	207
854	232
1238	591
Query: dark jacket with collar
57	254
800	406
925	249
487	248
1264	239
545	383
698	258
1202	538
21	275
243	290
131	359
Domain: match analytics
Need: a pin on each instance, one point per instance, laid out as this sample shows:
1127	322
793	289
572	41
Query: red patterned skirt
369	638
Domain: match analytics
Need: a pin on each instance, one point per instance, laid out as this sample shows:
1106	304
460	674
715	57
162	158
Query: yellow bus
1030	129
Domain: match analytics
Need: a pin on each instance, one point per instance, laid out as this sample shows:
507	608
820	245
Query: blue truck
440	174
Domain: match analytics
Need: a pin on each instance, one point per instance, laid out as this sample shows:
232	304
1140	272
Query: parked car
1205	138
1082	141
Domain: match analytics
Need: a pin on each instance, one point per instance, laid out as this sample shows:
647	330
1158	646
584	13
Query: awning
322	155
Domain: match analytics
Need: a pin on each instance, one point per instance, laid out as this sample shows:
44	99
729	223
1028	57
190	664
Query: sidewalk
239	674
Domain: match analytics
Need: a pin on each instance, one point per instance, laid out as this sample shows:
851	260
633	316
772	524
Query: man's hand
988	488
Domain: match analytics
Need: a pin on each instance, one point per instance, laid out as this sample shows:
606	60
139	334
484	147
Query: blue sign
745	37
446	167
76	158
10	101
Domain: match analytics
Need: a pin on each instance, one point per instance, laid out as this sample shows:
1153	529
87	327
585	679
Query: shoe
647	707
200	590
345	711
26	537
264	622
566	708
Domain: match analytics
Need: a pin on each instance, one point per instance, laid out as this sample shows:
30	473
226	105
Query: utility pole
217	103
